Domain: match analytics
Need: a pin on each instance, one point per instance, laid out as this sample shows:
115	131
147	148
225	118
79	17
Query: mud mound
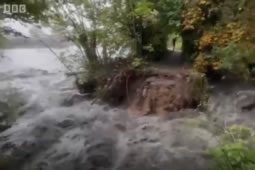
155	92
164	93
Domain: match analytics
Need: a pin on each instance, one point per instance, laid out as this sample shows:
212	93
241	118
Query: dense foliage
114	28
107	29
236	59
237	151
210	26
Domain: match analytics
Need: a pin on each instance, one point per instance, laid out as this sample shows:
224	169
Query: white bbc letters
22	9
14	8
7	8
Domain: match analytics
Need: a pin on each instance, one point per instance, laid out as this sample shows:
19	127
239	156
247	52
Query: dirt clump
165	93
155	92
116	89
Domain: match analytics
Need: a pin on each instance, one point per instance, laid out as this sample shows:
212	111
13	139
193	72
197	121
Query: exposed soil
166	86
155	92
163	93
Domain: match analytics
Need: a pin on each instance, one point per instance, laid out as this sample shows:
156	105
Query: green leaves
235	156
237	151
138	63
166	12
235	59
143	7
237	133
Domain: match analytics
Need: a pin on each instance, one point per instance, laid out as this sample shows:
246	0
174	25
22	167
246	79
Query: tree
150	22
109	26
77	20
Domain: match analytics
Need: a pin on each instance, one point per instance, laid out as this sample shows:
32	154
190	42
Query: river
51	127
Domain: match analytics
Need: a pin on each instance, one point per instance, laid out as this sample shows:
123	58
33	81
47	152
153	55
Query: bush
235	59
237	151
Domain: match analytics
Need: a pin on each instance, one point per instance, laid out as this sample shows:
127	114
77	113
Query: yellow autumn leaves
204	62
191	18
223	35
231	32
194	16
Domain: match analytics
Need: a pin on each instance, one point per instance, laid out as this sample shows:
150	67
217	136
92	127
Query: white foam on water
30	58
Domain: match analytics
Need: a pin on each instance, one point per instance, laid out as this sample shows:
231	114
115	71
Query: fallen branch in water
53	52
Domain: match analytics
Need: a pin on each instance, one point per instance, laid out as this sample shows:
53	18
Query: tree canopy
108	28
105	28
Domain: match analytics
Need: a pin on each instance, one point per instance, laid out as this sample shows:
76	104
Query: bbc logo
14	8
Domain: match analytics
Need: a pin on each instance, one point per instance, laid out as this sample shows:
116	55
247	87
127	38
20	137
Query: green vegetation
117	38
218	35
144	29
212	33
237	151
115	26
236	59
112	29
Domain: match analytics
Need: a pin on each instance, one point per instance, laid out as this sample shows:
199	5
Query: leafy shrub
205	63
138	63
235	133
221	35
237	151
235	59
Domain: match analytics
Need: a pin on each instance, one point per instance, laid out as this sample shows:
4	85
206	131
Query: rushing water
40	58
52	127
